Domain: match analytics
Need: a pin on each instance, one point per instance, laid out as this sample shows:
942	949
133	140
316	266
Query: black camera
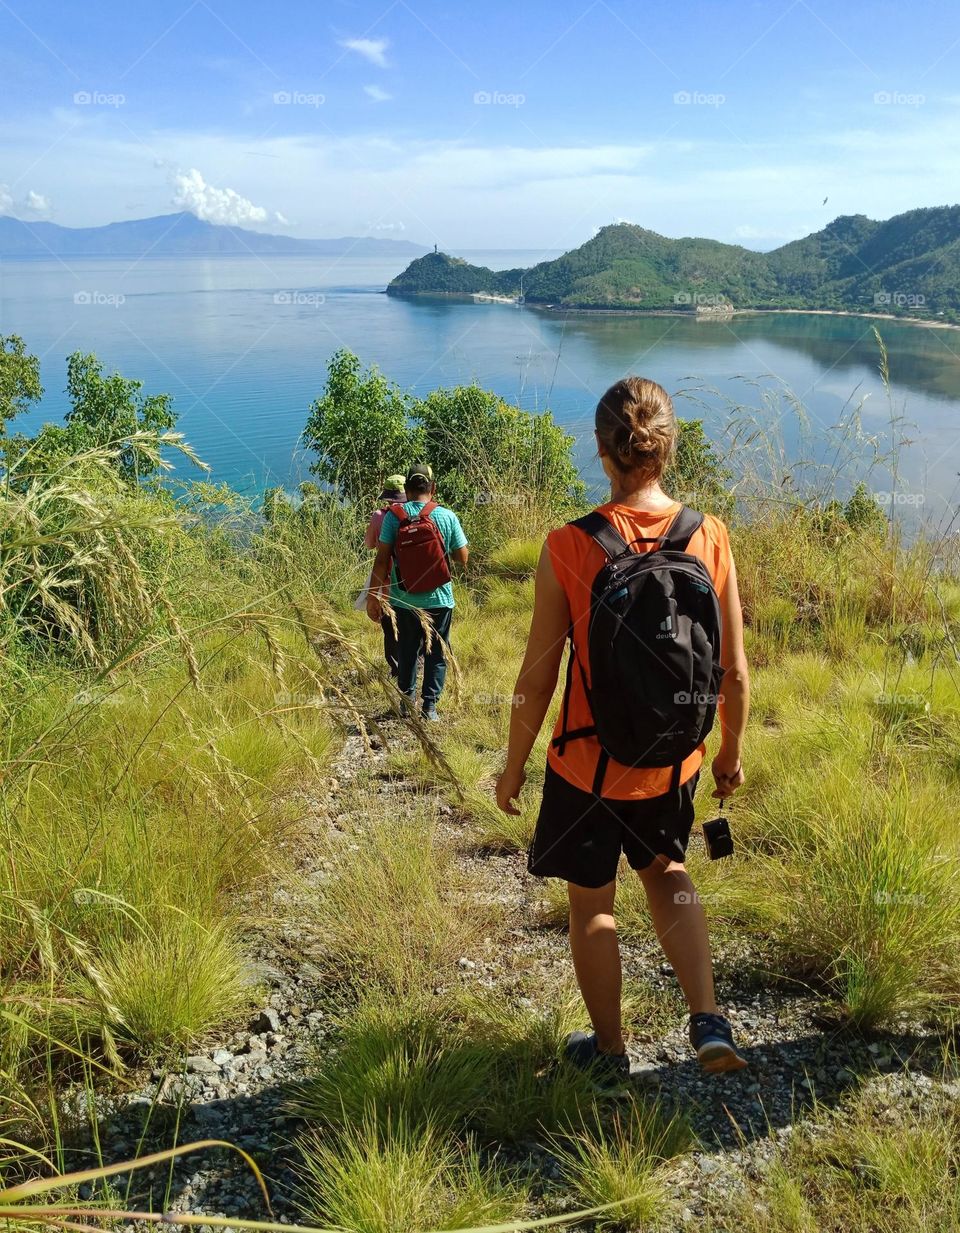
717	837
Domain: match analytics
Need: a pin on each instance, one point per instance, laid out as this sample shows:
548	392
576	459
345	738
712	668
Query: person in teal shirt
436	605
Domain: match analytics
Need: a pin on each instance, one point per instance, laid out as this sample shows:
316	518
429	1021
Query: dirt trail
235	1087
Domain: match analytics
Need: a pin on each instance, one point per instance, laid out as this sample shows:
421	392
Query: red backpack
419	551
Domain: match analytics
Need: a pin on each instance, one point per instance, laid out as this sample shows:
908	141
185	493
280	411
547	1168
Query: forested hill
908	264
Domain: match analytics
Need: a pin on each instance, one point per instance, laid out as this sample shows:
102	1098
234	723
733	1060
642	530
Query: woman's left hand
508	790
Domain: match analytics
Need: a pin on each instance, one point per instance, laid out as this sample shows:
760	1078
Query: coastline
843	312
489	298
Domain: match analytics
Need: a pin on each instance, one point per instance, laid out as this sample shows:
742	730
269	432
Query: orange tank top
576	560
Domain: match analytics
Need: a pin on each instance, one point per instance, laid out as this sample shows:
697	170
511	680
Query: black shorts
579	836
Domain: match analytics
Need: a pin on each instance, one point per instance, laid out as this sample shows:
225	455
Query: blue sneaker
712	1038
429	713
607	1070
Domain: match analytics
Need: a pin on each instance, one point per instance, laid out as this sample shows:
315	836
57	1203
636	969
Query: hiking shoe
607	1070
712	1038
430	714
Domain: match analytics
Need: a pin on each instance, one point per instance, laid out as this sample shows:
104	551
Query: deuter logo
667	630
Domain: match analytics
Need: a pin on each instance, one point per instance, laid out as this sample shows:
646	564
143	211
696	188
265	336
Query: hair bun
636	426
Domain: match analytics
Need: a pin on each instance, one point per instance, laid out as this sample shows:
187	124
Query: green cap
420	469
392	488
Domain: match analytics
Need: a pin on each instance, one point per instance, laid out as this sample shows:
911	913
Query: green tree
697	476
19	379
107	409
359	428
484	449
863	514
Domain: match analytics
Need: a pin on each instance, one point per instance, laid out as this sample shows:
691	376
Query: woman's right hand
508	790
727	773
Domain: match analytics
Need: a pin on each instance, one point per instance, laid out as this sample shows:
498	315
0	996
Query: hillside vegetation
908	264
178	676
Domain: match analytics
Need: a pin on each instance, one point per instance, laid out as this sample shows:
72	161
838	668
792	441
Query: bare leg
681	926
596	961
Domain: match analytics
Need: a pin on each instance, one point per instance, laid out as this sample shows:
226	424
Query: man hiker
420	538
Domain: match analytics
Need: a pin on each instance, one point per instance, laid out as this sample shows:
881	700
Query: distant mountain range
177	235
909	264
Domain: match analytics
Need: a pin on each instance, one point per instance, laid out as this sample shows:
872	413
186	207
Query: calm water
242	346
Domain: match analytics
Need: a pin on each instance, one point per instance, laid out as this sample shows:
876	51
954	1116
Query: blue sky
501	124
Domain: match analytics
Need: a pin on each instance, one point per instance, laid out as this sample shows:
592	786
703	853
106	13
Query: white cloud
214	205
37	204
377	94
281	219
374	50
33	205
474	193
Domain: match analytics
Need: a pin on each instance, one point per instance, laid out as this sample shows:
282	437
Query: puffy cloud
281	219
374	50
214	205
33	205
377	94
37	204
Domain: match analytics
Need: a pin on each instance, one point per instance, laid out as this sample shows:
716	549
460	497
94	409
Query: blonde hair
637	427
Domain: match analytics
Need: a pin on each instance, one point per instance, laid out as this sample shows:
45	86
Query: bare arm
379	581
461	556
734	705
372	535
537	680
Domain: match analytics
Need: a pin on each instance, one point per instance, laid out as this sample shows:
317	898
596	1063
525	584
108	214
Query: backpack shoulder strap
682	529
428	509
400	514
602	532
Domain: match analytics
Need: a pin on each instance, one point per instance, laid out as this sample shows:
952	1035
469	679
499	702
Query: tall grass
862	1168
166	689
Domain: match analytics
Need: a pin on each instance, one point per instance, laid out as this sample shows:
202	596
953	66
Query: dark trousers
412	643
390	646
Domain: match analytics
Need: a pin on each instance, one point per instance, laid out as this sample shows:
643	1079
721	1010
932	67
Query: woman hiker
594	807
391	494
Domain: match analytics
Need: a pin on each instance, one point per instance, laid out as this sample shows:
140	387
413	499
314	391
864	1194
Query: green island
908	265
239	906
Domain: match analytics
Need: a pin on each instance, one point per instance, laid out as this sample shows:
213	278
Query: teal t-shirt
448	524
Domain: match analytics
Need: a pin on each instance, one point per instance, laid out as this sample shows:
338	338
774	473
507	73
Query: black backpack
653	647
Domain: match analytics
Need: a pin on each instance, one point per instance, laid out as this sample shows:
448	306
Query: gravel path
235	1087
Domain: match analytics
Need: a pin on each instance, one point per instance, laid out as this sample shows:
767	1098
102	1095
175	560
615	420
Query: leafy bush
359	428
500	467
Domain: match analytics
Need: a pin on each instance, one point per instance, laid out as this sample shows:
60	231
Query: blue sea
242	345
